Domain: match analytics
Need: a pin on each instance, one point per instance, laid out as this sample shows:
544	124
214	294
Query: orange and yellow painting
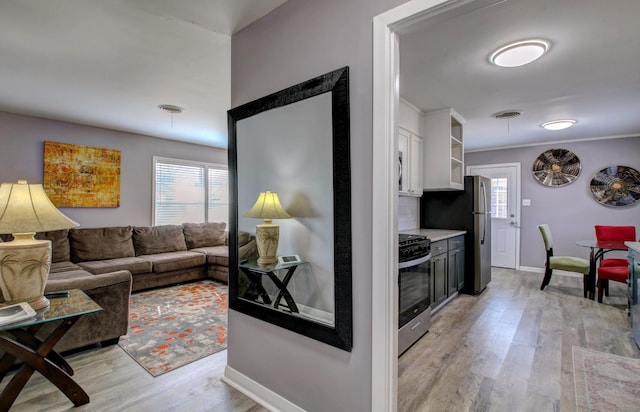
81	176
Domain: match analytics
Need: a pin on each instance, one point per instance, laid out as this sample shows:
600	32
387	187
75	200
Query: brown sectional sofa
108	263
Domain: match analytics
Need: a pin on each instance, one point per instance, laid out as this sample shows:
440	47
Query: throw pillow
60	251
150	240
89	244
204	234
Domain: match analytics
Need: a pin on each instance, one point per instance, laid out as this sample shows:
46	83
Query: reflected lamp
24	262
267	207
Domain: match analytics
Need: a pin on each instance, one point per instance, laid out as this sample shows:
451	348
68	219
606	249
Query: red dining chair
607	273
615	233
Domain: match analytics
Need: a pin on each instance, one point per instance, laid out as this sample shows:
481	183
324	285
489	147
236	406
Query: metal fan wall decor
616	186
556	167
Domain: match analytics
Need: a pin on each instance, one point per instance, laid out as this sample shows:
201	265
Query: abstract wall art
81	176
616	186
556	167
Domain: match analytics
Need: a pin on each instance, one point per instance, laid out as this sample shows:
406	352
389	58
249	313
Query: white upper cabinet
443	150
410	150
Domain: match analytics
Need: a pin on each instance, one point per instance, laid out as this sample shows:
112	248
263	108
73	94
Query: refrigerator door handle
486	214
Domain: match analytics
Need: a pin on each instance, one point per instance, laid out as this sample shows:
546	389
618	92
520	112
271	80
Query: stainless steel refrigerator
469	210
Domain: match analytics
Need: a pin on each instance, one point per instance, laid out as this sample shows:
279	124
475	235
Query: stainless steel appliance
470	210
414	285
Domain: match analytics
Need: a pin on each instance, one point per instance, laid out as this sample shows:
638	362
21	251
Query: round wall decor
616	186
556	167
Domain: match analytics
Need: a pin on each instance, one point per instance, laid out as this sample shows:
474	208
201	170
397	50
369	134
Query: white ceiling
110	63
591	73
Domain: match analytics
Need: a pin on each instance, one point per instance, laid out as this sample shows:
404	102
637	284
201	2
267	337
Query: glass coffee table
19	341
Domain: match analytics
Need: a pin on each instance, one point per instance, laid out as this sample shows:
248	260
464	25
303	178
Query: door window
499	198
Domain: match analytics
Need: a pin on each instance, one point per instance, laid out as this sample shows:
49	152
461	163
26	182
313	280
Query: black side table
255	272
19	341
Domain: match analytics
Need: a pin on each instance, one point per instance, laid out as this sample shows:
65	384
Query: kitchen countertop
633	245
436	234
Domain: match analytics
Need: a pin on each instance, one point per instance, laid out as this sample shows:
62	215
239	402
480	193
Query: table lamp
267	207
24	262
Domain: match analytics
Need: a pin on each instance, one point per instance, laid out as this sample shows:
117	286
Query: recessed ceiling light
519	53
558	124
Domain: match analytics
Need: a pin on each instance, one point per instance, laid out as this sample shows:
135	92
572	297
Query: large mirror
294	143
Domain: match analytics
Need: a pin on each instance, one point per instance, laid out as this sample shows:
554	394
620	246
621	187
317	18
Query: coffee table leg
284	292
36	359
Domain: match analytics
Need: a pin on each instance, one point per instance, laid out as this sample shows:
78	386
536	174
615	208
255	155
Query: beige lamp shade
26	208
267	207
25	261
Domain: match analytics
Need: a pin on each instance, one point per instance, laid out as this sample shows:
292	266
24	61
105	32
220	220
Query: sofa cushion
89	244
69	274
134	265
243	238
150	240
63	267
60	250
204	234
216	255
166	262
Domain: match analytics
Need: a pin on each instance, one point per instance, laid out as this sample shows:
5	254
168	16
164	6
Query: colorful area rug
606	382
174	326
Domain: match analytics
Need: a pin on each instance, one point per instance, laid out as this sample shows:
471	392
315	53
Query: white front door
505	212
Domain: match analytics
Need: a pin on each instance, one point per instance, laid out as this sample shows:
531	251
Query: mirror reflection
290	188
284	152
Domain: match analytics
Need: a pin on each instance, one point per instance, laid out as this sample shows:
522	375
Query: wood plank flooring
115	382
510	349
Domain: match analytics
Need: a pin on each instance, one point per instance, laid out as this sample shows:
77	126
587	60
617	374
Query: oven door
414	288
414	280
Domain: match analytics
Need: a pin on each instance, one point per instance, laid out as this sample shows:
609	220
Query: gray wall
571	211
22	155
298	41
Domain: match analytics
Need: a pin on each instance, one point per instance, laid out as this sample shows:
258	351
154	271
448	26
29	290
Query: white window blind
189	192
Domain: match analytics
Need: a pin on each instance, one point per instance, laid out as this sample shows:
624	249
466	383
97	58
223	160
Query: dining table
598	249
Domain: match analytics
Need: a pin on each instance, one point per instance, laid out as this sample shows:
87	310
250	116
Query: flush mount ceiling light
558	124
519	53
170	108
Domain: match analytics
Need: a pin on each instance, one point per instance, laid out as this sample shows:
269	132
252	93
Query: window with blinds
499	199
189	192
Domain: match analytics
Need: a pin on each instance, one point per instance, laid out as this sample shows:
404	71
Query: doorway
384	246
505	212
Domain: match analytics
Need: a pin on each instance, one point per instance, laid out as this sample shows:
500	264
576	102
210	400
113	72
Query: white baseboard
262	395
555	271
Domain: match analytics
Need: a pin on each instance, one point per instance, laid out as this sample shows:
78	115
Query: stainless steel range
414	285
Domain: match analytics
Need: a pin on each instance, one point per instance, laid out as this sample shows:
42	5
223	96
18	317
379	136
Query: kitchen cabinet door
456	264
439	273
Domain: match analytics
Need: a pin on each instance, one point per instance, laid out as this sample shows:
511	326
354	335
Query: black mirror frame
341	334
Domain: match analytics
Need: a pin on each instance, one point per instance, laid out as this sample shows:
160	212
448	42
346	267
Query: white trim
411	105
557	142
260	394
518	167
384	312
386	101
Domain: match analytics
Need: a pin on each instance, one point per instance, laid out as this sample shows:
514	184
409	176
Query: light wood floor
510	349
115	382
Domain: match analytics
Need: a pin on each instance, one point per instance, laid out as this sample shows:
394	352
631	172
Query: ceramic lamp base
267	237
24	270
